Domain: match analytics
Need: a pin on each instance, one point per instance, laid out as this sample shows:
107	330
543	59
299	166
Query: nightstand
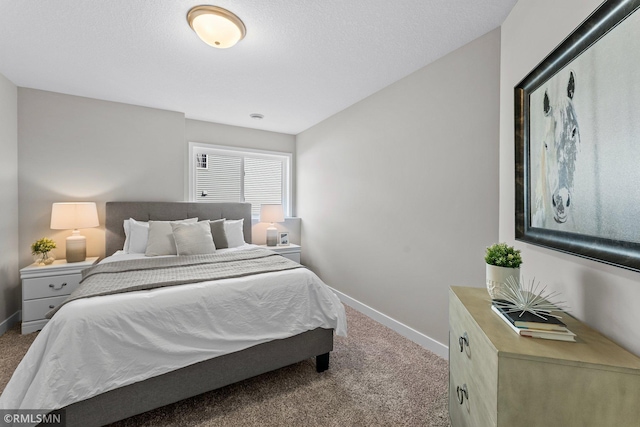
292	251
47	286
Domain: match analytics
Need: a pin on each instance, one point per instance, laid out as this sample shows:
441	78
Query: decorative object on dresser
41	251
530	312
497	378
271	214
534	329
291	251
503	261
46	287
73	216
512	297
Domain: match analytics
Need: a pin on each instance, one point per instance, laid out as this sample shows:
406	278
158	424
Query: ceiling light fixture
256	116
216	26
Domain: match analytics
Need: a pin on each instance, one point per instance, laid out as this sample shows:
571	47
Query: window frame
286	157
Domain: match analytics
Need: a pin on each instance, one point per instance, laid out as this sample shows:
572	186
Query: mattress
98	344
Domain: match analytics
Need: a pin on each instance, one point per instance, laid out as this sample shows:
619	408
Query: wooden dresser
497	378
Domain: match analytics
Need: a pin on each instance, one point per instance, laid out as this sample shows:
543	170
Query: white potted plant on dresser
503	261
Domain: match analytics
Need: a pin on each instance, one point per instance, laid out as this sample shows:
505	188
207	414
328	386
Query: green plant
42	246
503	255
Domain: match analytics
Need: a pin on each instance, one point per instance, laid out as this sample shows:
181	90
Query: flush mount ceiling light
216	26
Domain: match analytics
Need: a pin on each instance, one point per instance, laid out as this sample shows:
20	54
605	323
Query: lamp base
76	247
272	236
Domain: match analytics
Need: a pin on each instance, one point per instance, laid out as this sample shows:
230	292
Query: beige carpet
375	378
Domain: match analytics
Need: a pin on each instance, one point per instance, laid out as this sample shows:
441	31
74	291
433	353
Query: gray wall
219	134
603	296
81	149
399	192
9	279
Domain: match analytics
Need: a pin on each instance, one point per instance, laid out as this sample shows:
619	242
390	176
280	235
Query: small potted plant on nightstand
502	261
41	249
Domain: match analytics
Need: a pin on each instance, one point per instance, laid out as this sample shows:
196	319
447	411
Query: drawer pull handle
52	306
52	286
463	340
462	393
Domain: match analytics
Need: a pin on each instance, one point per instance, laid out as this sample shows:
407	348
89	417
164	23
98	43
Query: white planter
496	276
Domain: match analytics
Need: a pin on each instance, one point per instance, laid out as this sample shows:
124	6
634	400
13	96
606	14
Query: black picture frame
618	252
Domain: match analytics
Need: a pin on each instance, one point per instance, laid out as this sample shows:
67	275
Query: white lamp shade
271	213
69	216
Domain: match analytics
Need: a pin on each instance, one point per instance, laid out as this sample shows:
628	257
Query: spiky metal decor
513	298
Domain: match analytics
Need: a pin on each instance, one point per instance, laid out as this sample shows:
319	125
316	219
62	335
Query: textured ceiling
301	61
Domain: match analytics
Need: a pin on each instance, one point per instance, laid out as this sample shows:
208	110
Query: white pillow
125	226
160	241
138	235
193	239
127	234
233	230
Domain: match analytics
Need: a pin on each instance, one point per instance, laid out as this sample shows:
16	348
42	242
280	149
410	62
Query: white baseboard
6	324
404	330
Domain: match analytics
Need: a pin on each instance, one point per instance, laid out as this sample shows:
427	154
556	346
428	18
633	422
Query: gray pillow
193	239
219	235
160	240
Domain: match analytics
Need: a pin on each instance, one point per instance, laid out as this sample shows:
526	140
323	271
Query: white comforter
94	345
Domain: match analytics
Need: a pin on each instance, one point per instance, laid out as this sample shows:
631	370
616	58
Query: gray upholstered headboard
117	212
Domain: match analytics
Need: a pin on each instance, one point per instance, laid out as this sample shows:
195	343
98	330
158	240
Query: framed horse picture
577	141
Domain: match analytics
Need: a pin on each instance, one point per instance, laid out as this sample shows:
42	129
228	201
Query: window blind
221	181
222	174
262	182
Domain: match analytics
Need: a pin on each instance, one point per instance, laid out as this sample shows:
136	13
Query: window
228	174
201	161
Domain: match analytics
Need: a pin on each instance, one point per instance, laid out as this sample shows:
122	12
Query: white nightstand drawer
37	308
48	285
52	286
291	251
293	256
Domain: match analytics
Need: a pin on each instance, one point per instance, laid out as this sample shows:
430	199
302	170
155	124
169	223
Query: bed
204	375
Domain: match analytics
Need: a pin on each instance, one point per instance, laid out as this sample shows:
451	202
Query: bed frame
201	377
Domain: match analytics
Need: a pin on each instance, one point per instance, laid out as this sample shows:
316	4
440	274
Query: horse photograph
584	145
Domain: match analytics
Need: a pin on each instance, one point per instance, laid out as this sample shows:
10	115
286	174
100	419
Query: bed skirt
199	378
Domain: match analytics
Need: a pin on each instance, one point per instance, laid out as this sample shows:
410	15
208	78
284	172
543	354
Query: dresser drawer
52	286
36	309
458	411
476	366
479	405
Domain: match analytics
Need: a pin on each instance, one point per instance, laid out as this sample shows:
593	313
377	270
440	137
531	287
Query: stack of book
529	325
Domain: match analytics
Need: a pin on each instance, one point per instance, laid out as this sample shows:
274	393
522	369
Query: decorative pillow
193	239
138	236
161	238
219	236
233	230
127	228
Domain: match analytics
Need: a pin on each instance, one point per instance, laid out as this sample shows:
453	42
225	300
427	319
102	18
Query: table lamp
271	214
73	216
